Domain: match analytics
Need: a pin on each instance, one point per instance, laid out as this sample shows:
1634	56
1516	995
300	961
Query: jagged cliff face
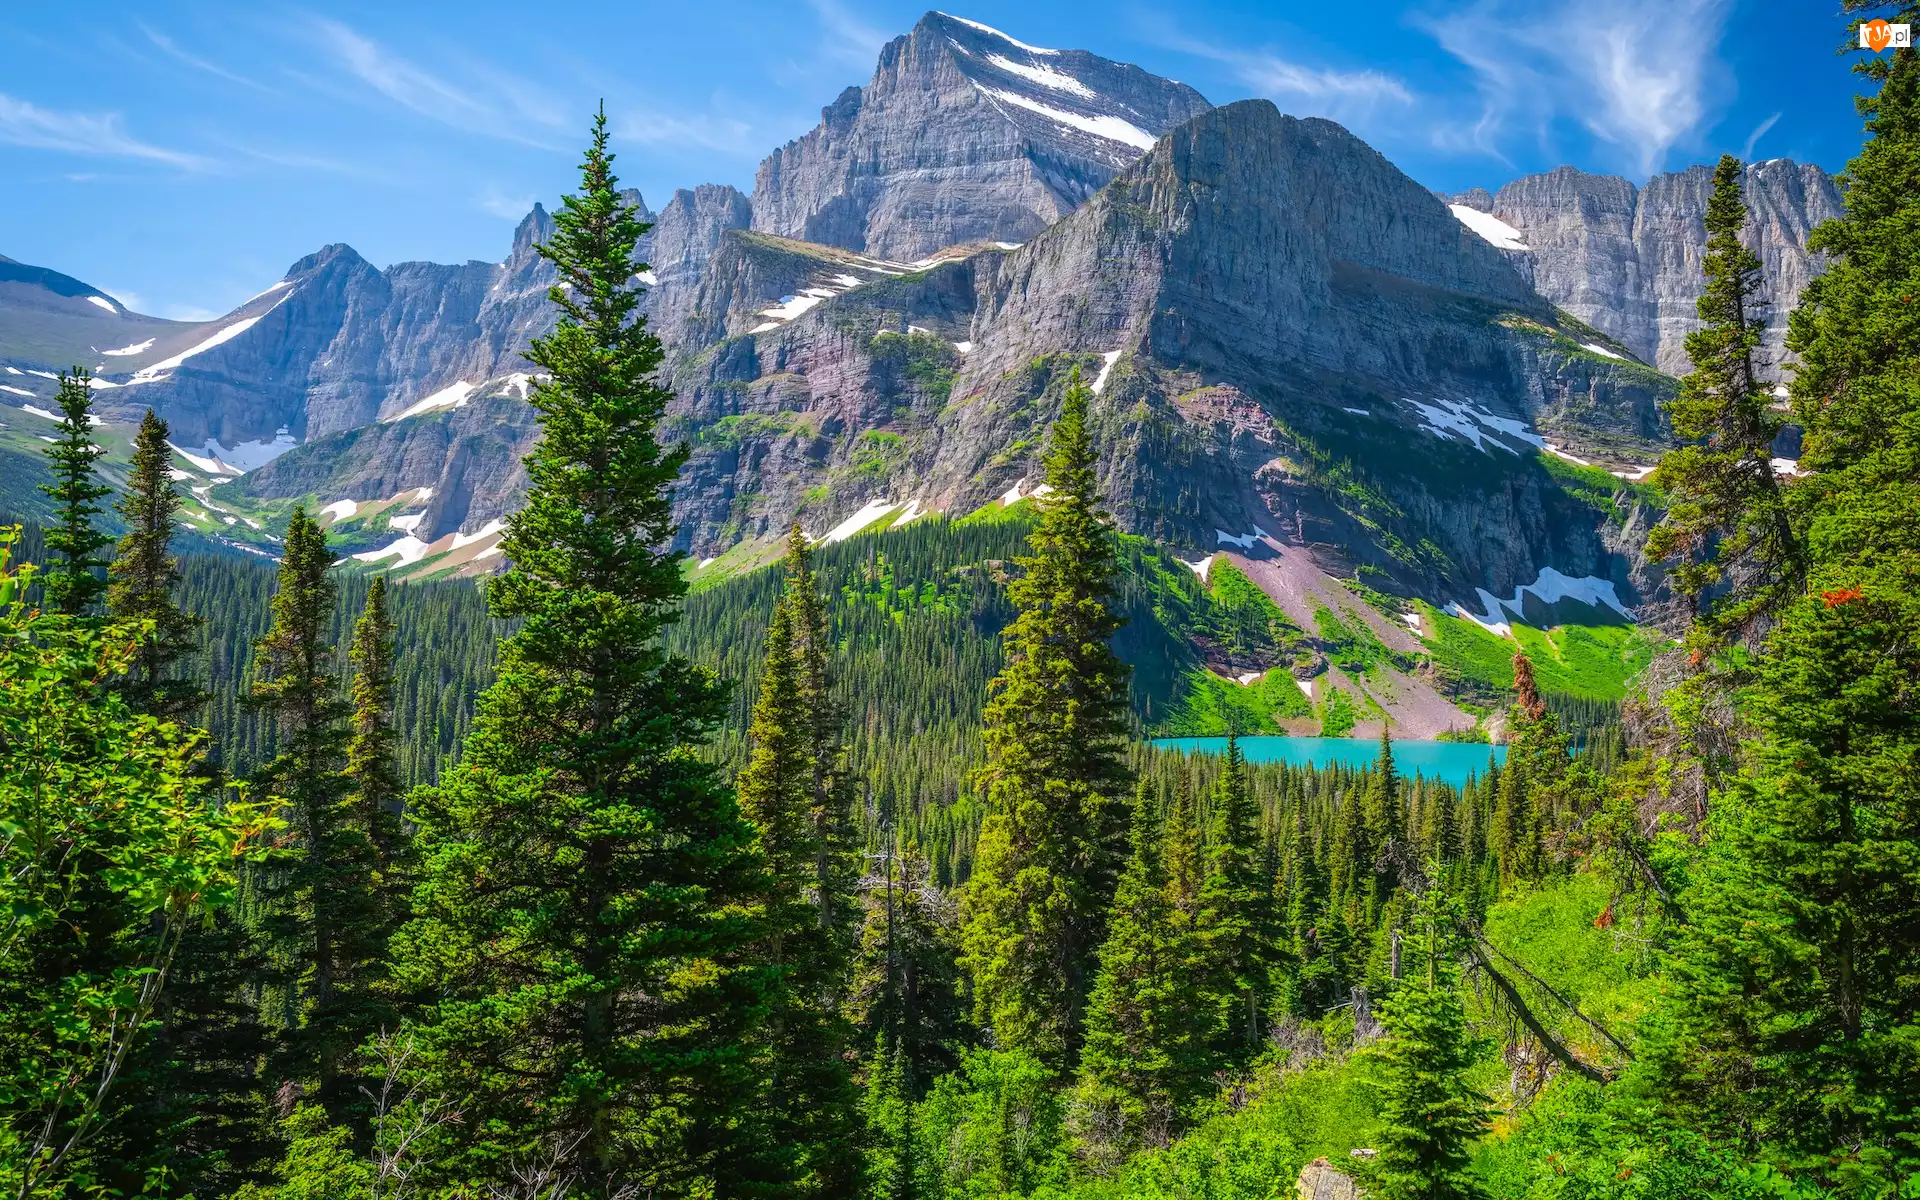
1285	332
964	135
1627	260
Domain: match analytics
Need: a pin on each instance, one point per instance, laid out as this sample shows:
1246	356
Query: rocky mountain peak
1627	259
965	134
1249	237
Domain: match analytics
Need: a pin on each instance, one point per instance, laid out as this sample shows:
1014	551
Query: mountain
1627	259
1318	296
1318	369
964	135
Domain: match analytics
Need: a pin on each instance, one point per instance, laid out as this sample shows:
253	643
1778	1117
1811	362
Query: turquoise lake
1452	762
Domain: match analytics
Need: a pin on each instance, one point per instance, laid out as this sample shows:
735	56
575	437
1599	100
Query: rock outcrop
1287	335
964	135
1627	260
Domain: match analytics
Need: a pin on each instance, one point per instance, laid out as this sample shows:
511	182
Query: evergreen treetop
589	892
143	578
1727	522
72	582
1055	736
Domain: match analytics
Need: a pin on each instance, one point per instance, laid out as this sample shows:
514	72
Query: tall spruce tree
1799	966
371	766
72	582
586	912
1055	736
1430	1111
1727	523
144	576
322	920
1146	1060
790	797
1306	913
1236	924
1385	818
831	833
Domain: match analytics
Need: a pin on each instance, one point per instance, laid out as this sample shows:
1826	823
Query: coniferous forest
854	877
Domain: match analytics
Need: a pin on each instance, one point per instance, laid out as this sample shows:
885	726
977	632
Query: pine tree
143	578
588	886
1145	1058
323	921
1386	832
1727	522
1430	1112
1184	861
810	1102
1306	913
371	751
1807	918
894	1161
1350	860
836	865
71	581
906	985
1514	843
1055	735
1236	924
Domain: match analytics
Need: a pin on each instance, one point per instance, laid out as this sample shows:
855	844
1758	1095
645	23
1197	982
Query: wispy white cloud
178	53
1351	96
1759	131
653	128
1634	73
101	135
502	107
845	38
128	299
495	202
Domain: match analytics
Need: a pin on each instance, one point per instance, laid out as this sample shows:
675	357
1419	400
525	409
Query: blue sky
180	155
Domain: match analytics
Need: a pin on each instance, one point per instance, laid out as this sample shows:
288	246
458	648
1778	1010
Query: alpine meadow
1075	644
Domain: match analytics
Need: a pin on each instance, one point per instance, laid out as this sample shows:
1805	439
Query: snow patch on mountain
1113	129
1497	613
991	31
1043	75
871	512
405	551
1106	368
103	303
454	395
1497	232
159	370
248	456
1244	541
136	348
1469	422
490	529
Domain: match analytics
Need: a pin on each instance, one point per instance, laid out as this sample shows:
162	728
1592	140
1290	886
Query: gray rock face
684	237
469	456
1260	302
1627	260
339	345
964	135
